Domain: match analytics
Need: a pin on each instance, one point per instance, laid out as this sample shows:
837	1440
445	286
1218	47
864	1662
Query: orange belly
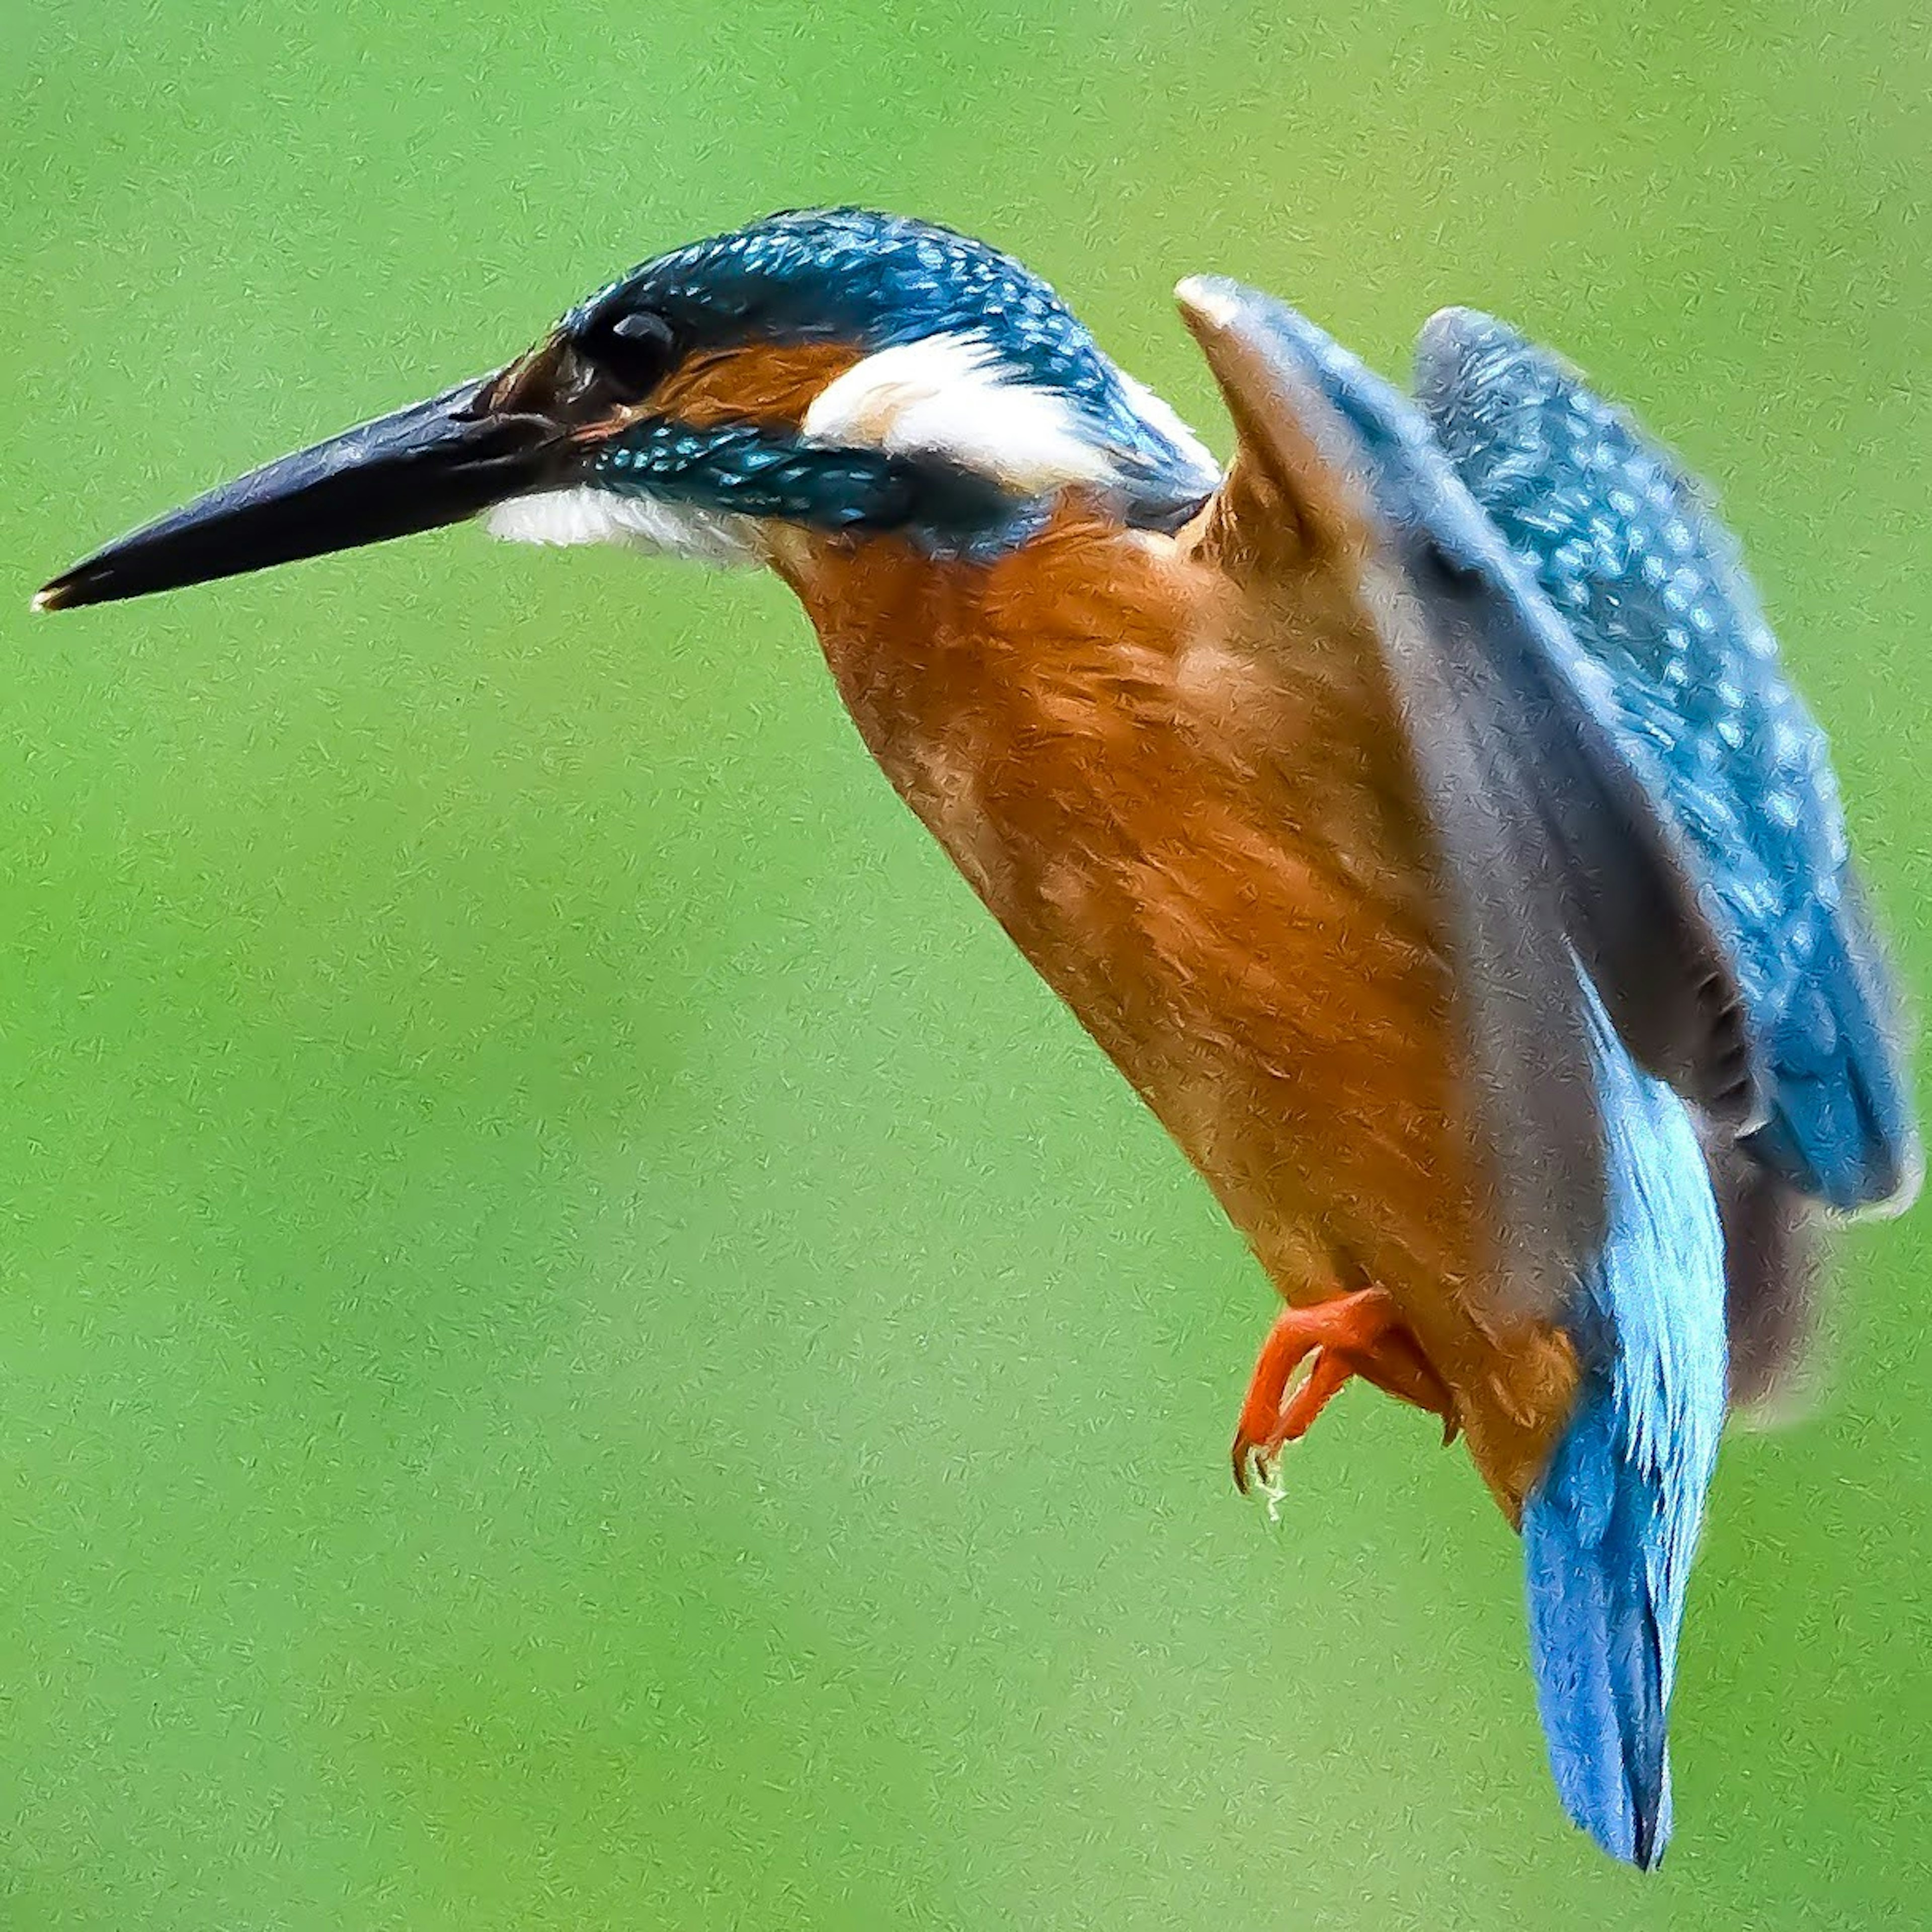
1212	854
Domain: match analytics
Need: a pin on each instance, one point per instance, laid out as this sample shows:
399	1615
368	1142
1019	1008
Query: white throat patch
586	514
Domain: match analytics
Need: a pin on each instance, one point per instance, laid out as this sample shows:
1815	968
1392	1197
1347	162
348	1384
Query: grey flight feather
1520	1002
1635	903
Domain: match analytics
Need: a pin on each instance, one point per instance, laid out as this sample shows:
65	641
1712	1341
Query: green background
582	1345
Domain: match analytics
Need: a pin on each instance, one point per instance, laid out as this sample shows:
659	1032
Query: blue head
854	373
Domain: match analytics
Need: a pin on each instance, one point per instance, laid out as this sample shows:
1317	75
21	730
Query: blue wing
1527	791
1629	550
1634	903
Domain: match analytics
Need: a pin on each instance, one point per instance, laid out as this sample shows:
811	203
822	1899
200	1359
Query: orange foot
1358	1334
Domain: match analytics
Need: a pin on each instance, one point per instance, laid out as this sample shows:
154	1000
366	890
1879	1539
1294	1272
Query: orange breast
1209	849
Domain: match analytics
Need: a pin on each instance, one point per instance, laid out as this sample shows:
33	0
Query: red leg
1349	1335
1329	1372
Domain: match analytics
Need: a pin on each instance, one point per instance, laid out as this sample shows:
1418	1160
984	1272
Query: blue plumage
1841	1129
1629	550
1610	1532
745	470
878	281
1611	1529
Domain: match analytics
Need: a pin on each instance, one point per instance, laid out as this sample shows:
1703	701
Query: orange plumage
1102	730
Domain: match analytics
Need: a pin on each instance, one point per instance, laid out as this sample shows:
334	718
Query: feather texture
1634	890
1611	1521
1652	586
1110	732
1610	1532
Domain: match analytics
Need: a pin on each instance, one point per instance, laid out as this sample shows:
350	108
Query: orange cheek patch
764	382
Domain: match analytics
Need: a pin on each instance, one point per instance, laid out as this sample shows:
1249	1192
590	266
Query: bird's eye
631	352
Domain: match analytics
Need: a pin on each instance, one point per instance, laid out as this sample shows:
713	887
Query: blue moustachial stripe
748	470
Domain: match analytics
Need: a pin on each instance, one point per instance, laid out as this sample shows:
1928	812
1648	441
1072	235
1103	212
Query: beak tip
418	468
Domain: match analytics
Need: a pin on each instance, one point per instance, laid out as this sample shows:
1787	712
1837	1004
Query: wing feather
1687	682
1635	902
1295	491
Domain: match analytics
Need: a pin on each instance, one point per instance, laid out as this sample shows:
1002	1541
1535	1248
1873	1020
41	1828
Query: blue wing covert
1630	550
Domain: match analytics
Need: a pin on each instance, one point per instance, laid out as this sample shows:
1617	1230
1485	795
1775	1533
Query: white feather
946	396
1158	411
586	514
1202	294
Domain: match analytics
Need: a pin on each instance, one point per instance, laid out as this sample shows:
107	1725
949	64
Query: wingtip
1211	300
1459	318
1902	1182
1451	340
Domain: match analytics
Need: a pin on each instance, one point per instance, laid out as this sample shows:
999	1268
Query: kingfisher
1415	811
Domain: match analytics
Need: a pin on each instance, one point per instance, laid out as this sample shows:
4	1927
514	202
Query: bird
1414	809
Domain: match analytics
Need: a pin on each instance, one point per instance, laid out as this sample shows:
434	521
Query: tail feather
1603	1658
1610	1530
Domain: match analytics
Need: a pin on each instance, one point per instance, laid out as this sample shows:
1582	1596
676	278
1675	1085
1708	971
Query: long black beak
433	463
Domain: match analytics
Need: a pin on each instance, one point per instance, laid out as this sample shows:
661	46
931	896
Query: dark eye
631	352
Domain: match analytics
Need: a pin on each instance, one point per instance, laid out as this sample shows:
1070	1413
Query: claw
1252	1463
1355	1334
1258	1474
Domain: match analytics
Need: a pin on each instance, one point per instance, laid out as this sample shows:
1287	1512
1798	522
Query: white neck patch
946	396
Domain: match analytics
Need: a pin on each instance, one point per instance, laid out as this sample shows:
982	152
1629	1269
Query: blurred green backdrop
581	1345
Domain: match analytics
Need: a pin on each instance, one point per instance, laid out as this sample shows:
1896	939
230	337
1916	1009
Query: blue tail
1842	1128
1609	1532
